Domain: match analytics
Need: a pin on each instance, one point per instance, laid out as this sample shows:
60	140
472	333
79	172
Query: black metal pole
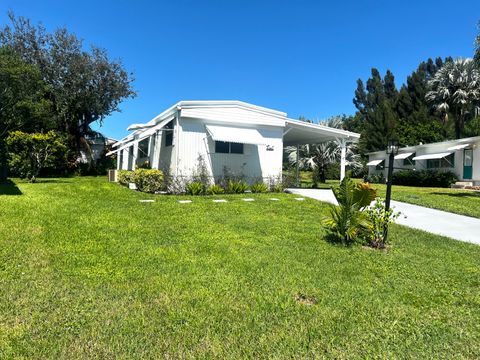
389	191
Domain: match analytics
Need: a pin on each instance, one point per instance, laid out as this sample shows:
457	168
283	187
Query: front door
467	164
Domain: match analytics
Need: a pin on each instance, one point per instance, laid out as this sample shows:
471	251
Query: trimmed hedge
424	178
146	180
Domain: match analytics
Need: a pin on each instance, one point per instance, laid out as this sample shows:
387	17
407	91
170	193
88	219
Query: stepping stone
219	200
274	199
146	201
300	199
184	201
248	199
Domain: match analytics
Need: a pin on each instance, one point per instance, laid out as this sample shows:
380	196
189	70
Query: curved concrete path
458	227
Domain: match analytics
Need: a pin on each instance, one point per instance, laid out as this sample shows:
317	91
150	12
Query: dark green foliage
215	190
424	178
236	186
195	188
83	86
346	222
259	187
30	153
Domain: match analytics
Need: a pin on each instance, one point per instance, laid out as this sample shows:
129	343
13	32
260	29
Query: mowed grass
87	271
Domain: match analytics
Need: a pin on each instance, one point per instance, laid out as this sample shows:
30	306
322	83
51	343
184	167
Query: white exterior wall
255	162
432	149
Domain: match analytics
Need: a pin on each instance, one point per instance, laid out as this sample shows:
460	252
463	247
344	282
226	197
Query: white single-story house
460	156
230	136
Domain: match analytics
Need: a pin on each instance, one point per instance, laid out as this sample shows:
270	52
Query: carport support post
297	179
343	161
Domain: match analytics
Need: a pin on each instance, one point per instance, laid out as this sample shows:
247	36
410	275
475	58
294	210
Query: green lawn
87	271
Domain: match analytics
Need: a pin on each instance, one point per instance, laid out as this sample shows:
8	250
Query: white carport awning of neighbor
458	147
236	135
375	162
432	156
403	156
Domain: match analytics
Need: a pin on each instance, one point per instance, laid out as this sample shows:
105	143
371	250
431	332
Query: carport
298	133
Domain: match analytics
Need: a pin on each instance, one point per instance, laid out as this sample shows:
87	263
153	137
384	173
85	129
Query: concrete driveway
458	227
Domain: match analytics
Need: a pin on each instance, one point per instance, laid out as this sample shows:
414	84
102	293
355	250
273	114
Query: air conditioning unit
112	175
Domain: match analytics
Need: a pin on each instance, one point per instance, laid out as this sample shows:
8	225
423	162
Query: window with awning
236	135
375	162
438	160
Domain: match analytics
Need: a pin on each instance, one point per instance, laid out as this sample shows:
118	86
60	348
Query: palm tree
455	89
317	157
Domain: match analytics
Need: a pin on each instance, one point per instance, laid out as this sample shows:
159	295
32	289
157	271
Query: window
224	147
169	134
408	161
143	148
446	162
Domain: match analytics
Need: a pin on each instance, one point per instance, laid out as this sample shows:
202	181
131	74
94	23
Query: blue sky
301	57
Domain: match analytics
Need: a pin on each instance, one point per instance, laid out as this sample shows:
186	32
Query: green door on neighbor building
467	164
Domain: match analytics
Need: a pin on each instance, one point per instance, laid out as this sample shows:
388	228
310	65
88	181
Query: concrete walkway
458	227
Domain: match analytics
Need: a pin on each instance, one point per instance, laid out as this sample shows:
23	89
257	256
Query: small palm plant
346	221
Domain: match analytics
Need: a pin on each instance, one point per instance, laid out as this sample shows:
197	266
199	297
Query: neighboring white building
460	156
231	136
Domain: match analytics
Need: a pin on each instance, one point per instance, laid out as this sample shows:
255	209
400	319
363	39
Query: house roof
296	132
449	143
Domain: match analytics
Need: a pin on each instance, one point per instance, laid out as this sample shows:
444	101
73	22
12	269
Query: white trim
432	156
375	162
403	156
458	147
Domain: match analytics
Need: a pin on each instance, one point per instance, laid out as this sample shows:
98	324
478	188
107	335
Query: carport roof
300	132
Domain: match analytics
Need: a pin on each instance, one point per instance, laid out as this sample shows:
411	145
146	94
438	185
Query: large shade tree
24	102
85	85
455	92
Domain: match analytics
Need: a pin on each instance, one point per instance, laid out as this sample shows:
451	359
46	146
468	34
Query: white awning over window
458	147
236	135
432	156
403	156
375	162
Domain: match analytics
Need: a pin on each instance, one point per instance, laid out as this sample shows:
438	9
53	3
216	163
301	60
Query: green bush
28	154
195	188
379	220
148	180
215	189
125	177
259	187
424	178
236	186
278	187
347	222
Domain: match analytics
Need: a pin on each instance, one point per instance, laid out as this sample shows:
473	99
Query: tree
24	103
85	86
455	90
30	153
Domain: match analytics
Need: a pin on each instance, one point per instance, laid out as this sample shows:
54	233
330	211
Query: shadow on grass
8	187
459	195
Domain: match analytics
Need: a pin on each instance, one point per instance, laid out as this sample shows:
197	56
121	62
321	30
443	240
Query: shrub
195	188
214	190
374	178
148	180
424	178
347	221
236	186
278	188
125	177
259	187
30	153
379	220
